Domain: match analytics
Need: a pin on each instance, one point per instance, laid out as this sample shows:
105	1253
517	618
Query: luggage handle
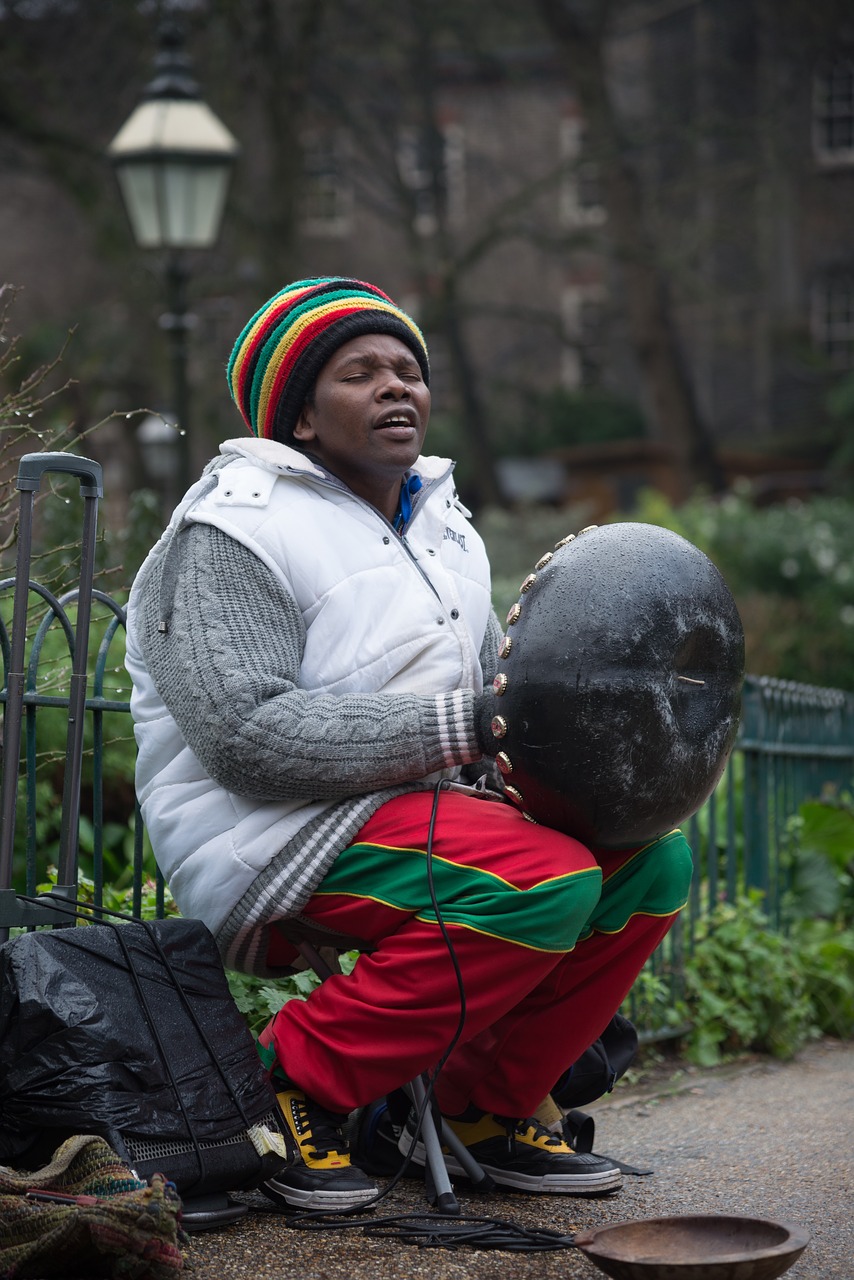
33	466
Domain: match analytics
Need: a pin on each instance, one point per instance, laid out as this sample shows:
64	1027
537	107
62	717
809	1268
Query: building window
417	176
580	199
833	114
327	196
832	318
582	307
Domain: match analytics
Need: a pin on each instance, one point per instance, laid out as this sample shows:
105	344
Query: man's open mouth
397	420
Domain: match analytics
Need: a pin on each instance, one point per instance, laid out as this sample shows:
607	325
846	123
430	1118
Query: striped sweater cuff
457	737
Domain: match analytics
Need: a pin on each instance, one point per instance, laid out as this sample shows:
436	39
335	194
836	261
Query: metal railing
796	741
51	647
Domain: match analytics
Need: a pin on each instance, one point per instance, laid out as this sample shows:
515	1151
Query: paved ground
761	1138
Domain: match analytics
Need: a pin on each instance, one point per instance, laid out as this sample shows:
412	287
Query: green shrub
745	988
826	959
119	898
818	861
53	678
819	906
258	999
651	1004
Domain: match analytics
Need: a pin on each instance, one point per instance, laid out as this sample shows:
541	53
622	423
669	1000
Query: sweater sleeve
489	649
489	666
227	669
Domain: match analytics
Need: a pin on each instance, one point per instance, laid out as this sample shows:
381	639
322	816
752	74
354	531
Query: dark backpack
599	1067
594	1074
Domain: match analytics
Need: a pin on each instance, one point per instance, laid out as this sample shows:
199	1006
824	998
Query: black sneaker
524	1155
374	1133
323	1177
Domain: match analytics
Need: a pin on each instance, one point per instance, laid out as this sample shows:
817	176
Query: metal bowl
703	1246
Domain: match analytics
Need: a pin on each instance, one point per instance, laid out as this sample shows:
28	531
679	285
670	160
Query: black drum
619	685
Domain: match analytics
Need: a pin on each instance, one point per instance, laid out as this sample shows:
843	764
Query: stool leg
446	1201
480	1181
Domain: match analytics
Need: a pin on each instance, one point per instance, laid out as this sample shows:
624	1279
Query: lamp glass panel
159	459
138	185
192	203
173	205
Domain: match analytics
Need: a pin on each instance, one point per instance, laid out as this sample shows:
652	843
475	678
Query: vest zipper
422	493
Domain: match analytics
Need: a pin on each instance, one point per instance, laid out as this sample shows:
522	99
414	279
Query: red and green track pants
549	937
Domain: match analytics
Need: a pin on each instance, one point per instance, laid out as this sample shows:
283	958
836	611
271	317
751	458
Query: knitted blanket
86	1214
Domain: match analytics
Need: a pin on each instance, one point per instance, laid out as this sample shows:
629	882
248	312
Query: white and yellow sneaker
524	1155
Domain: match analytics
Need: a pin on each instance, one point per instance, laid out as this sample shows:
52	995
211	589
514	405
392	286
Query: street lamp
173	159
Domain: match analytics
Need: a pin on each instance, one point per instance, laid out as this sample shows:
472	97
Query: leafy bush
651	1004
819	862
119	898
53	678
819	906
826	959
749	986
745	988
258	999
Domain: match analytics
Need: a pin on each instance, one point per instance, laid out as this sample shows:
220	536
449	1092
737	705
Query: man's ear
303	430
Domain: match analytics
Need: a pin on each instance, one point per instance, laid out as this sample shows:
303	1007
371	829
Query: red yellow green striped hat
276	359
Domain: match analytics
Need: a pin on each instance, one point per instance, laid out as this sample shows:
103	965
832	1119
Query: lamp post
173	159
158	446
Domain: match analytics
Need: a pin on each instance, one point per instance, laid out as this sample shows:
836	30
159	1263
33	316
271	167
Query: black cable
430	1232
431	1077
434	1231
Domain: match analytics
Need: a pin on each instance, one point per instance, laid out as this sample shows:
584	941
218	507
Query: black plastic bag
130	1031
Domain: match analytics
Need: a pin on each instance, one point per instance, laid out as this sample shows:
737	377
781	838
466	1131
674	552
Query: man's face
368	417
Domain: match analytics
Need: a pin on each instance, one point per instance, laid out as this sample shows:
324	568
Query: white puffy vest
381	614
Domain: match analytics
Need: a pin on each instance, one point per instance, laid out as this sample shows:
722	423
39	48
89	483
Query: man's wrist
484	711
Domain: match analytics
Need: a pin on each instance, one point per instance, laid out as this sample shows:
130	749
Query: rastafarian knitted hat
279	354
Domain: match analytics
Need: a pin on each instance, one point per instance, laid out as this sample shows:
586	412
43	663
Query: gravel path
762	1138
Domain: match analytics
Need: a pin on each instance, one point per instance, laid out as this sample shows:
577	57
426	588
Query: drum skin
618	691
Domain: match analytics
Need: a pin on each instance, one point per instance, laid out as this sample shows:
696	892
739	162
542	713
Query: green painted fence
795	743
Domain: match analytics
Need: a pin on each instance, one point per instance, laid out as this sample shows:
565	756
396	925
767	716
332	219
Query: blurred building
743	137
742	133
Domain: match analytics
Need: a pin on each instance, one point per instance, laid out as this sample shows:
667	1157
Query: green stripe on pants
537	917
